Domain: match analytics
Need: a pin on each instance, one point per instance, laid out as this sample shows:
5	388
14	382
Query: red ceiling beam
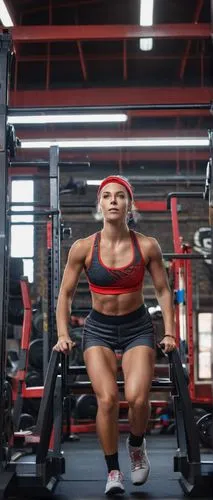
113	156
82	60
112	96
89	132
197	13
105	57
168	113
125	60
57	33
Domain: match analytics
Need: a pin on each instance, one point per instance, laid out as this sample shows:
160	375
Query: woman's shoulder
81	248
147	241
85	243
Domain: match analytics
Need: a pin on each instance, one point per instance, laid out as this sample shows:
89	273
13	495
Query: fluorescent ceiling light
40	119
146	19
5	16
93	183
185	142
146	44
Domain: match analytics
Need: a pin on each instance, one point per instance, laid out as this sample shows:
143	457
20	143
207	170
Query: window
205	321
22	235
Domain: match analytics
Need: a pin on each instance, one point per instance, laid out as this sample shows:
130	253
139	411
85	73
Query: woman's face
114	201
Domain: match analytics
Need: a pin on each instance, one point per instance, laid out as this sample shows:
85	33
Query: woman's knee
140	401
108	402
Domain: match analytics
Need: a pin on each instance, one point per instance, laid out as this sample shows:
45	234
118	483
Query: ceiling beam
116	56
55	33
185	57
82	60
112	96
90	132
113	156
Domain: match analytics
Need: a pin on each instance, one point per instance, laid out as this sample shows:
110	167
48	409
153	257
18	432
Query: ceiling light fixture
44	119
146	19
84	143
5	16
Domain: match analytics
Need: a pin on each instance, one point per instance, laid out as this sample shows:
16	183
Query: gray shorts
119	332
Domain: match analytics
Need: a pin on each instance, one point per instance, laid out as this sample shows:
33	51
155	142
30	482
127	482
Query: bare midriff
117	305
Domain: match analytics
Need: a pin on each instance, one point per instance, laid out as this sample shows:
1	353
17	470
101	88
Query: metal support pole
5	51
55	250
4	62
124	107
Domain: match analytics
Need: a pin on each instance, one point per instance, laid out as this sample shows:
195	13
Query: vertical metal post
56	237
5	45
189	320
177	263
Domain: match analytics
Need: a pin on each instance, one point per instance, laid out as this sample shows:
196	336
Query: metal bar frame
104	107
55	33
189	324
5	52
197	13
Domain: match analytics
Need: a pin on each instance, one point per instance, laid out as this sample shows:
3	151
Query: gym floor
85	475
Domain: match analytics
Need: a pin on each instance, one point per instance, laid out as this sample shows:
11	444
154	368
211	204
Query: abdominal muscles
117	305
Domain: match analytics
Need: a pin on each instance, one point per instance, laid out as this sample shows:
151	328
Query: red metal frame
189	322
151	206
115	96
185	57
125	60
26	328
57	33
82	60
49	235
197	394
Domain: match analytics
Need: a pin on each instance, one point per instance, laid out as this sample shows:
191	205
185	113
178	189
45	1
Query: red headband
118	180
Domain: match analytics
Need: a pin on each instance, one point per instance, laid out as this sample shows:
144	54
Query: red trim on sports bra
92	253
116	268
139	248
113	291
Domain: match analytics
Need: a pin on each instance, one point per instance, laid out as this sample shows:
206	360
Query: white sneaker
139	462
114	483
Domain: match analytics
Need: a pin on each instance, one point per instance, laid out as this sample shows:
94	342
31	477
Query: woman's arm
74	266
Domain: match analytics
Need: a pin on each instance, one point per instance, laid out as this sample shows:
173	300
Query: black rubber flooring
86	473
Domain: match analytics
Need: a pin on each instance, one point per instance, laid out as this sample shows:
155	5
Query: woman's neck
115	232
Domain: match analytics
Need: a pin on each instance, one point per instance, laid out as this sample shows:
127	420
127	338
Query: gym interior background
86	57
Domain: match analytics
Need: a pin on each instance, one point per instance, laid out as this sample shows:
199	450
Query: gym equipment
15	310
12	142
205	428
76	355
36	354
7	435
66	232
86	407
26	422
34	379
37	324
16	271
12	363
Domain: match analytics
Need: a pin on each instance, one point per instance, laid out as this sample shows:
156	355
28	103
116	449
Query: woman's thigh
101	367
138	369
